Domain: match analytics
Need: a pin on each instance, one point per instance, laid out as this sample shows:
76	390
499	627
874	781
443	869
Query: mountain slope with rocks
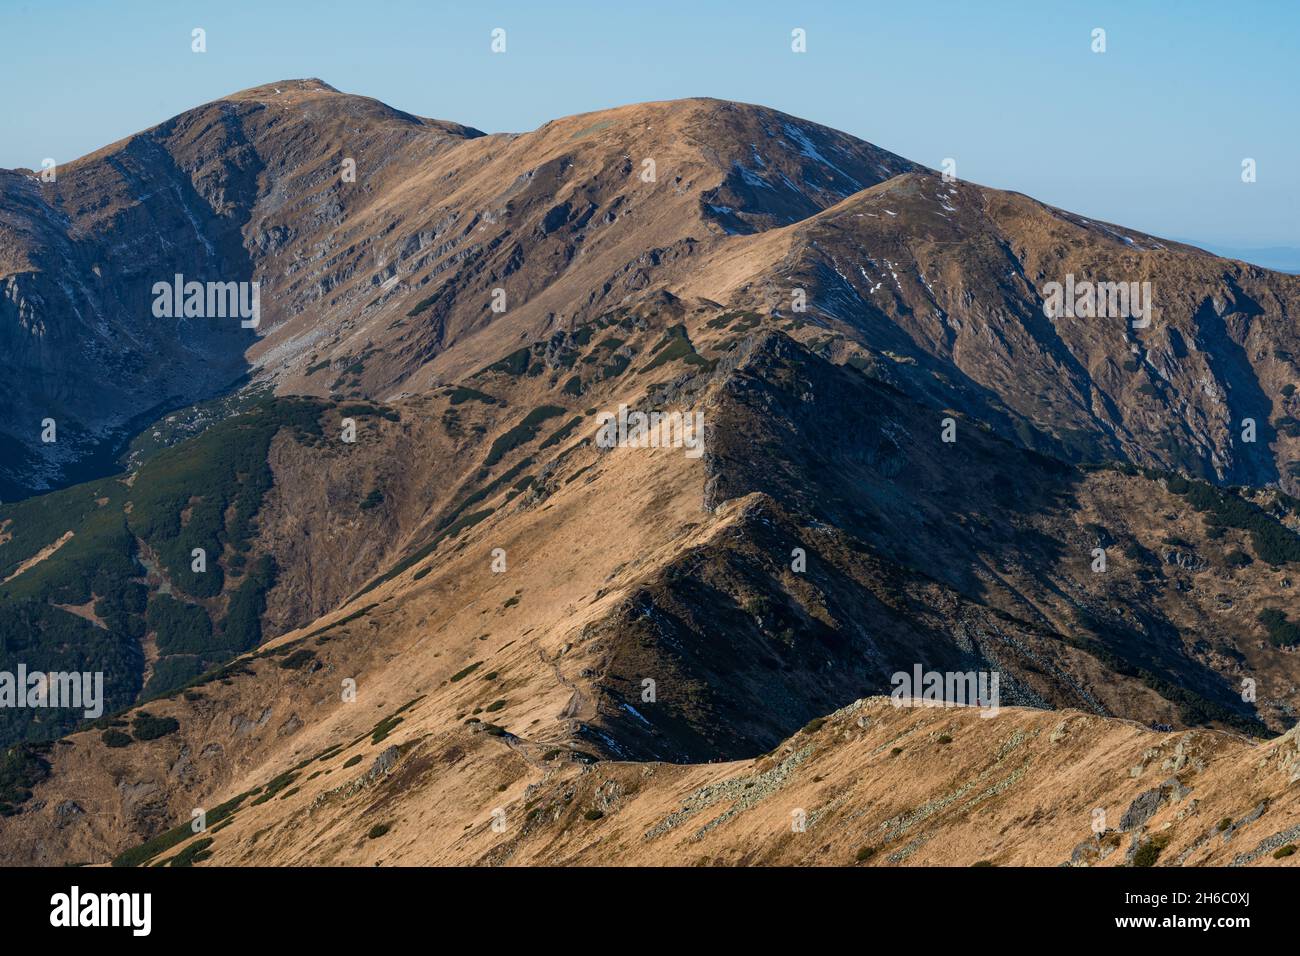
427	584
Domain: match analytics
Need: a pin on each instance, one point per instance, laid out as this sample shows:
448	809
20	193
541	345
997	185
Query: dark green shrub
276	785
462	674
194	853
21	769
170	673
561	433
180	628
1281	632
516	363
149	727
241	629
358	409
1150	851
1273	542
462	394
384	728
675	344
520	434
298	659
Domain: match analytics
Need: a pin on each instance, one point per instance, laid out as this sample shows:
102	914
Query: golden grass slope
872	785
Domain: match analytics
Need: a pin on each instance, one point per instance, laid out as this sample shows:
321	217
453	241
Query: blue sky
1150	134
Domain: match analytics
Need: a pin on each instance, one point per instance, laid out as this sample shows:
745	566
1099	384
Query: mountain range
426	574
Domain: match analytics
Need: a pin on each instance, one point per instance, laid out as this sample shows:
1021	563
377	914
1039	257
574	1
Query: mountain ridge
404	489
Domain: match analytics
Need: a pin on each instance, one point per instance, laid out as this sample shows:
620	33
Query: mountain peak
309	84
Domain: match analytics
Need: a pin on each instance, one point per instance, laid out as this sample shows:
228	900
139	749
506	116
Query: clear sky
1150	134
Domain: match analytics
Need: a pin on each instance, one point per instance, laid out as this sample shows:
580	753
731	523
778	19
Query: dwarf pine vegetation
73	596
